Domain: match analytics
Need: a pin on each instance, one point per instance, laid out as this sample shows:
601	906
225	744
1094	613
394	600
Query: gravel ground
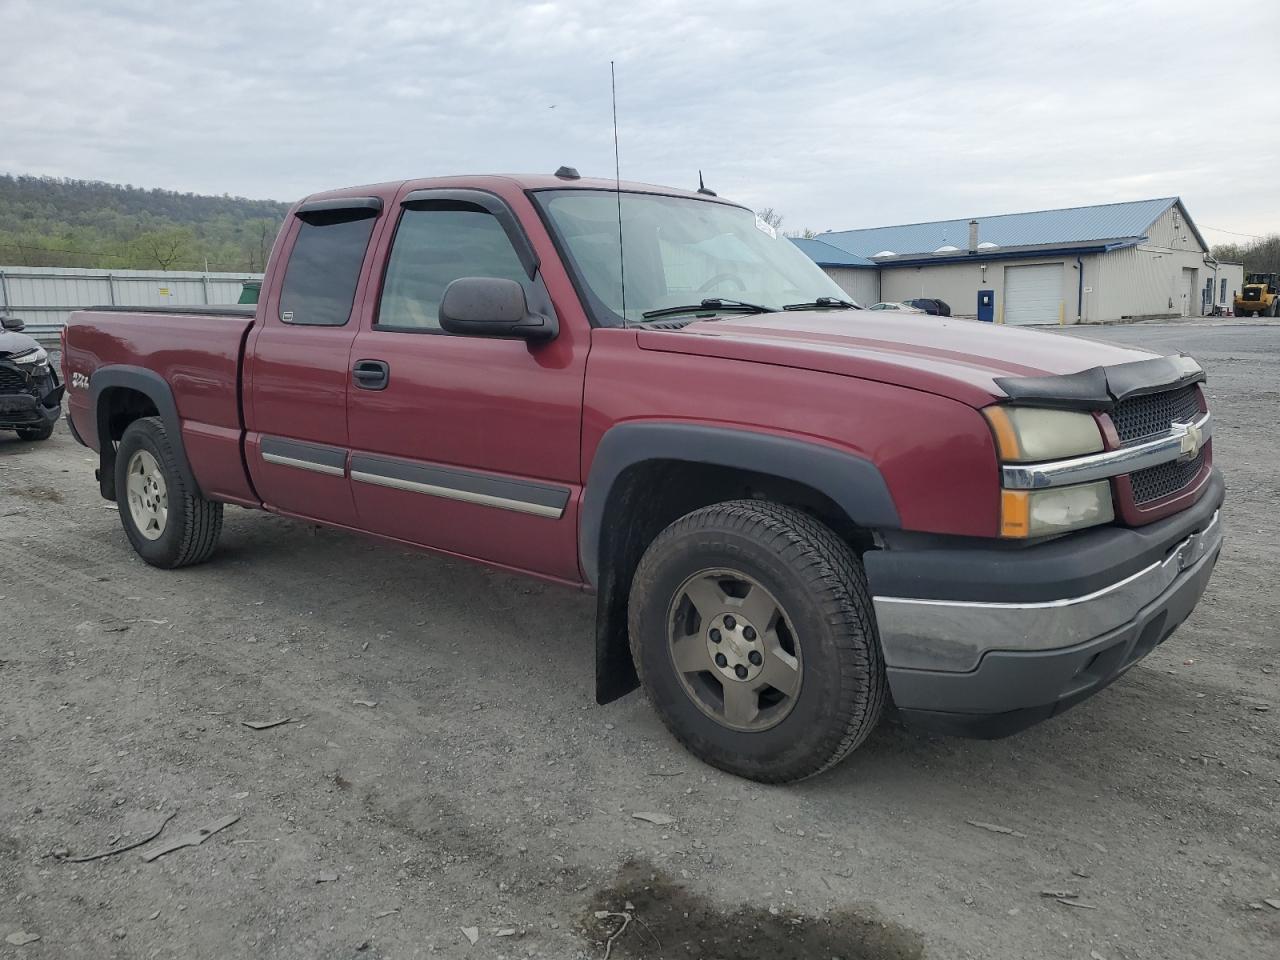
445	767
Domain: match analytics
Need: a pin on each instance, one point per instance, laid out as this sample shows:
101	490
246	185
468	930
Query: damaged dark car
30	393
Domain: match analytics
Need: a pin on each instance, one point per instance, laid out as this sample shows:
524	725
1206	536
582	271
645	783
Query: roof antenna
702	187
617	180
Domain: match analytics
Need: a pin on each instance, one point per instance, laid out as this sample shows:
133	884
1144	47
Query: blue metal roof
825	255
1110	221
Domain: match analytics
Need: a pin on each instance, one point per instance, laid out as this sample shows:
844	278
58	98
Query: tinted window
320	282
435	246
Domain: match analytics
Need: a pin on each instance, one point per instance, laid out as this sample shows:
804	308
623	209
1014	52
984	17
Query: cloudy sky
838	114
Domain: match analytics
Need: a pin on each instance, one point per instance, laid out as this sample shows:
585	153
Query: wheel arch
658	472
120	394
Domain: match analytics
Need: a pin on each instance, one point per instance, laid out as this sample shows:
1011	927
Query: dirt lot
446	767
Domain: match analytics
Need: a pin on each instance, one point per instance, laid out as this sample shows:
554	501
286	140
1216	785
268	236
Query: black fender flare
853	482
156	389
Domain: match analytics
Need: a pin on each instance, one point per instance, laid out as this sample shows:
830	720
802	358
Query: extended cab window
434	246
320	281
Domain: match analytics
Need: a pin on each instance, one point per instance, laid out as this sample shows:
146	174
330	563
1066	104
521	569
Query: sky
838	115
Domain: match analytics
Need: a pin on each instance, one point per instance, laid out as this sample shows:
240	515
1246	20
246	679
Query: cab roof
522	181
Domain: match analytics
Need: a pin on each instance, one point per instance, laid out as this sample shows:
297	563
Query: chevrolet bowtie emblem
1189	442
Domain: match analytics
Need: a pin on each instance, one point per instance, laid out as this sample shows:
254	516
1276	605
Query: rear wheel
753	633
36	433
168	524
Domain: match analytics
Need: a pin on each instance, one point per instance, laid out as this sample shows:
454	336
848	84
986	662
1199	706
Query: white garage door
1033	294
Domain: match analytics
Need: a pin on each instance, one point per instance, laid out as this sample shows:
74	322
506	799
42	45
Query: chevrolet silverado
792	512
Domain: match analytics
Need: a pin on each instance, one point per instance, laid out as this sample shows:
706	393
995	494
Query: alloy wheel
148	496
735	650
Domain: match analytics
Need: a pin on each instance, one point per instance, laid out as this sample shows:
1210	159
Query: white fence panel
45	296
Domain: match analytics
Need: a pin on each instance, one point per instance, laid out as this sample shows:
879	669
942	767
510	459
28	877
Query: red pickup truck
790	510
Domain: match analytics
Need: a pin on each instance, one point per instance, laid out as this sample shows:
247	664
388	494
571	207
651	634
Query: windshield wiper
823	303
711	303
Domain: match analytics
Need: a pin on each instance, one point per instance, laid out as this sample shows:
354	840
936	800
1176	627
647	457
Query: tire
183	527
36	433
823	622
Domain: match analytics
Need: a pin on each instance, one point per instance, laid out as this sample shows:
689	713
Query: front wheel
753	632
168	524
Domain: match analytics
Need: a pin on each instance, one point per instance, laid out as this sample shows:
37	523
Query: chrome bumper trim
1184	440
953	635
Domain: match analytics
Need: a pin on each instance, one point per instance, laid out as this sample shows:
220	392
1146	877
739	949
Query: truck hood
960	359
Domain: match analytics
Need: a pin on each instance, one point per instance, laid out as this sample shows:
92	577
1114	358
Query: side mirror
12	324
492	307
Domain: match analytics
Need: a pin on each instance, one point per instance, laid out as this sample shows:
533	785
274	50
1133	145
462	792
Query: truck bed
198	352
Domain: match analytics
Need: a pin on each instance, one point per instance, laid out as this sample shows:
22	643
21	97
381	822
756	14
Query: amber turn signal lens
1015	513
1006	436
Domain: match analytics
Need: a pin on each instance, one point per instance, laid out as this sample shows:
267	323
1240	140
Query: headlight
31	358
1032	435
1029	434
1044	513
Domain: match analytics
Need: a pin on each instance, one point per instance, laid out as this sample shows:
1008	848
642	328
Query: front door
298	365
471	444
986	305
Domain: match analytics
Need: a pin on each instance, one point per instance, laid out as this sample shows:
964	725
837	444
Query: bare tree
770	216
1259	256
264	242
166	247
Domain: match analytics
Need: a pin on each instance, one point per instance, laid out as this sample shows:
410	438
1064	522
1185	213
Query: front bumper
23	410
1050	626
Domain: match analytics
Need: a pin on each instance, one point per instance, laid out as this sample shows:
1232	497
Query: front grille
1151	415
22	416
11	379
1252	294
1156	483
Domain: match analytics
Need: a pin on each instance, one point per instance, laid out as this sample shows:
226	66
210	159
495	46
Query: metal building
1084	264
45	296
857	276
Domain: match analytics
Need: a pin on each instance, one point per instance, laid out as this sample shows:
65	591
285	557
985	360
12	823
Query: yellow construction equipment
1258	297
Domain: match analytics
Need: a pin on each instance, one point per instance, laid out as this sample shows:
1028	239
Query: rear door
471	445
298	365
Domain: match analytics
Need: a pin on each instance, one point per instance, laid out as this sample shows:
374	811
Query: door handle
371	374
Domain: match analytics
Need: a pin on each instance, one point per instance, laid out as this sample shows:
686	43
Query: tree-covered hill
51	222
1260	256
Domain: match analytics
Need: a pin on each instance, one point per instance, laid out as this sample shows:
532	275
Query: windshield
678	252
